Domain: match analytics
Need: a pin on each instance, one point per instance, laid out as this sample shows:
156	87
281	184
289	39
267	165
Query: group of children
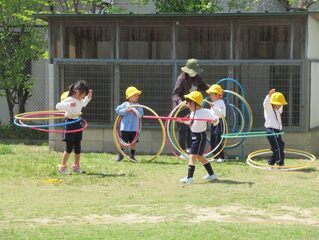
79	96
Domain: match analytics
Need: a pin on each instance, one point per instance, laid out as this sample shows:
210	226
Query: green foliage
13	132
21	40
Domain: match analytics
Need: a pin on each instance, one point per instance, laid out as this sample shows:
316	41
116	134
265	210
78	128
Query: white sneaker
188	150
186	180
210	177
220	160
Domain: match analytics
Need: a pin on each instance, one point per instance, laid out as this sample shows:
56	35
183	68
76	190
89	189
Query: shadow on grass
162	162
107	174
232	182
306	170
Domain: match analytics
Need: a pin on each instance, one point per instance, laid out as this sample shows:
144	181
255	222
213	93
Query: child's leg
206	164
281	153
66	153
191	165
275	148
77	151
216	137
133	148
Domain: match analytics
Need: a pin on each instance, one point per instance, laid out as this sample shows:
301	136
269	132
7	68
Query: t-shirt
272	116
201	126
69	110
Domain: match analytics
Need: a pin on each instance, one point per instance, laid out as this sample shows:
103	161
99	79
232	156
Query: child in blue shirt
129	123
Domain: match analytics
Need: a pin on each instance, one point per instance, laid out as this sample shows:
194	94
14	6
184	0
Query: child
129	120
218	106
78	97
198	133
273	106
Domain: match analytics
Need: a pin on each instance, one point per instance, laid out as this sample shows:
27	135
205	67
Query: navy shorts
128	136
72	136
198	143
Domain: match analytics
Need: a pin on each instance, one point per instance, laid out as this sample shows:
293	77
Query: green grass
146	201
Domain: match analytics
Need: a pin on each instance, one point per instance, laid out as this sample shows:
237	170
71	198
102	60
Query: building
261	50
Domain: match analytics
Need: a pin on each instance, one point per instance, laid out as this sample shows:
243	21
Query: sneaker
119	158
220	160
63	170
210	177
77	169
188	150
186	180
132	157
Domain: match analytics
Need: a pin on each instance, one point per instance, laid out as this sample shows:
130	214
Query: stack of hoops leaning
237	127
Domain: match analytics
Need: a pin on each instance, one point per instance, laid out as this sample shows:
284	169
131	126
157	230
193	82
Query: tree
84	6
298	4
198	6
21	40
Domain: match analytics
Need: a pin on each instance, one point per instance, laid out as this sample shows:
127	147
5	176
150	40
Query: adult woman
188	81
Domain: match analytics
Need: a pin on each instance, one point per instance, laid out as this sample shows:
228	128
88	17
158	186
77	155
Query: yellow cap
130	91
278	98
64	95
195	96
215	88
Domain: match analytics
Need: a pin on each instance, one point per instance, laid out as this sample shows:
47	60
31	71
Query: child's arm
267	105
122	109
88	98
65	105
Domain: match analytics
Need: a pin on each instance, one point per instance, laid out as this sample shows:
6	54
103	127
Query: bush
11	131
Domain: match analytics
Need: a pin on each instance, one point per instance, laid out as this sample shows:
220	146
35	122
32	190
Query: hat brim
192	72
132	94
192	99
279	103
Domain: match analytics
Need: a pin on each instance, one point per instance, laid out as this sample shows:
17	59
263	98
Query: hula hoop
243	93
47	125
53	181
55	130
251	134
161	147
178	118
173	142
21	116
118	122
291	167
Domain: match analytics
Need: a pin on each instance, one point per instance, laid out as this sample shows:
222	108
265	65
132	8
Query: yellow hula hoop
264	166
20	116
183	151
162	145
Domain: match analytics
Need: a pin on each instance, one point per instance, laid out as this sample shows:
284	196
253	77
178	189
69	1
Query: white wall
313	37
39	99
314	95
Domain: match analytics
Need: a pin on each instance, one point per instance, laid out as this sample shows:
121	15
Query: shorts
72	136
198	143
128	136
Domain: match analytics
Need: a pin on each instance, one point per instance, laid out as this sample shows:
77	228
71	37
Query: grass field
146	201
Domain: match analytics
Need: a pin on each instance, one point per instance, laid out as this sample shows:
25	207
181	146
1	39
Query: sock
209	169
132	152
191	170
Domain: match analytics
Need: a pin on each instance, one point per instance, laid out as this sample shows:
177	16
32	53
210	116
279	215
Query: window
89	42
145	42
256	41
203	42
